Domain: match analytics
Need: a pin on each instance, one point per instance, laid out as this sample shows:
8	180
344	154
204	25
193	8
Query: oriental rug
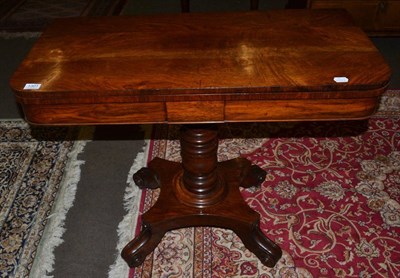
34	15
331	201
39	171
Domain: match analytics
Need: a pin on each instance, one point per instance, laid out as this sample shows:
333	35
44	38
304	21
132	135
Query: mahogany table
198	69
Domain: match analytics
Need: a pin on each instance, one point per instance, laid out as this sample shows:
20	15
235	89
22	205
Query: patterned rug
34	15
330	200
39	171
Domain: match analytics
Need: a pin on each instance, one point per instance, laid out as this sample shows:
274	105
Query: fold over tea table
200	70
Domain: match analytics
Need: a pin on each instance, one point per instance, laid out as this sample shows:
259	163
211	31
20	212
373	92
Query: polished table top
188	68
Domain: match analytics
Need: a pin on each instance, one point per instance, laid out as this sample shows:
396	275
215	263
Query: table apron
201	111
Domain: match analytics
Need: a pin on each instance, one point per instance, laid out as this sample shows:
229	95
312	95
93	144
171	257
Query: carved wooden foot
146	178
252	175
200	192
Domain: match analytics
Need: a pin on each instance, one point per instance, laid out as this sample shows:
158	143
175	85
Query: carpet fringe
131	205
52	235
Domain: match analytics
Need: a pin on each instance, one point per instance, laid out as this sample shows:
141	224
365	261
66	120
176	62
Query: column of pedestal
200	185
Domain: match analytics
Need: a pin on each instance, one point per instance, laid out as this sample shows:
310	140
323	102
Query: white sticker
32	86
341	79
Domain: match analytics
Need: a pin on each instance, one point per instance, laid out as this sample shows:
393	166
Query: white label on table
32	86
341	79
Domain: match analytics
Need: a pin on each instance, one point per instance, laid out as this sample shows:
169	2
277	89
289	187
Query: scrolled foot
135	251
267	251
254	239
255	176
146	178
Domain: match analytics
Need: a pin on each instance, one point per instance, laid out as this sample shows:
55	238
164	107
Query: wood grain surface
200	68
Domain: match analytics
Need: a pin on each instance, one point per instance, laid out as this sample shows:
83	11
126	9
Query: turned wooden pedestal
200	191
